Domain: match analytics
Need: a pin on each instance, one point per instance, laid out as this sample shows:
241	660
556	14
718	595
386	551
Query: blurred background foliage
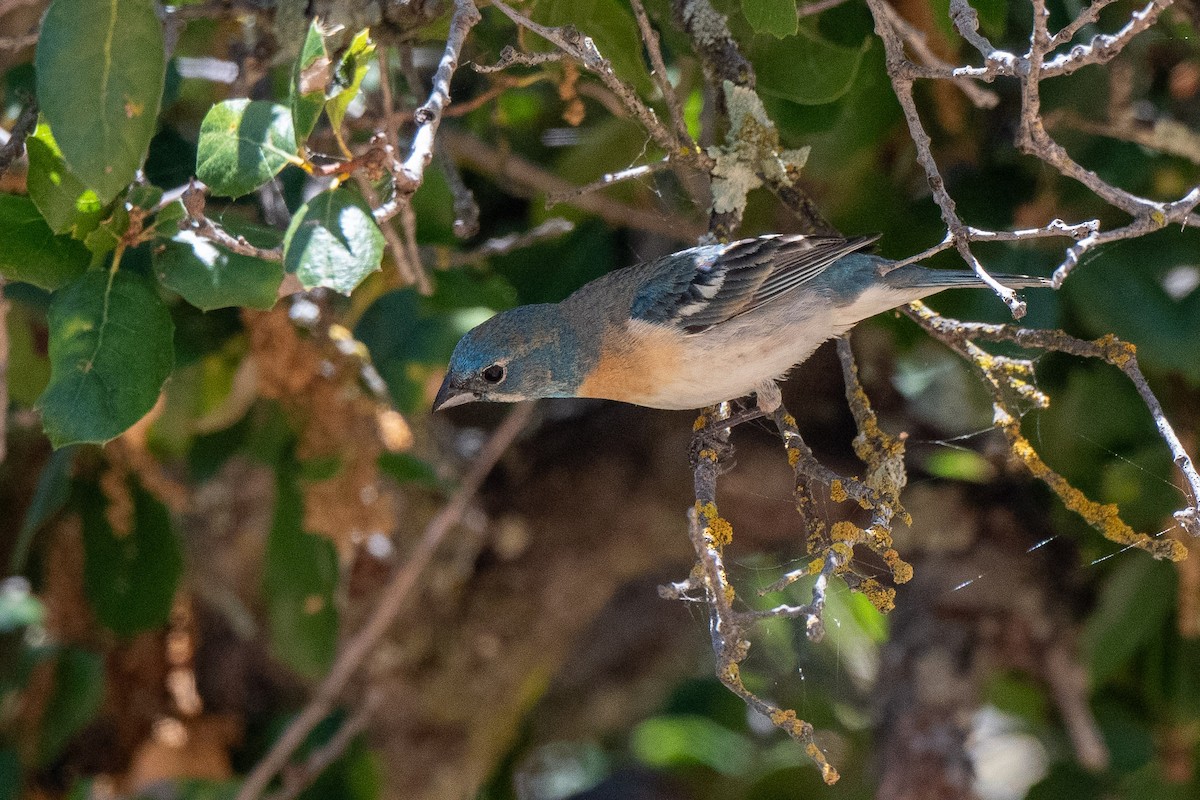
172	596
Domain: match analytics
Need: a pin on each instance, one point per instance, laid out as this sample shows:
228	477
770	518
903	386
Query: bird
702	326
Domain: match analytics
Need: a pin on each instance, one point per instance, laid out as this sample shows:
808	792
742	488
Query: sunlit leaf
67	205
348	78
100	72
681	740
310	79
209	276
333	241
243	144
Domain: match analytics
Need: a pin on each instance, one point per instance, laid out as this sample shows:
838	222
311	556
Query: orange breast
636	364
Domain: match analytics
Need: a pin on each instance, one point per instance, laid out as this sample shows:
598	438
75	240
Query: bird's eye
494	373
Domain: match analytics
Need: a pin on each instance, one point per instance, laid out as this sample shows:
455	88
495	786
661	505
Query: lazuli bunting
692	329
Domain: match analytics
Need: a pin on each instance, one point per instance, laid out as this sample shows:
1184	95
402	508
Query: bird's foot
769	397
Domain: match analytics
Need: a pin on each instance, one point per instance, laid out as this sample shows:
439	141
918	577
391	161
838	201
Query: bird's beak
451	394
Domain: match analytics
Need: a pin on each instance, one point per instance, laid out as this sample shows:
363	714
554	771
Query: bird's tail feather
914	276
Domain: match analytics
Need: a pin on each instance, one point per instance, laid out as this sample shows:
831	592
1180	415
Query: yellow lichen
837	492
880	596
902	571
721	531
700	422
843	551
793	456
708	454
846	532
1104	517
815	566
1115	351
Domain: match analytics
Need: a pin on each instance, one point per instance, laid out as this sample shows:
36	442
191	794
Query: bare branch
444	258
483	157
980	97
411	173
818	7
659	73
511	56
297	780
194	203
466	210
583	50
608	179
903	88
1102	48
1002	377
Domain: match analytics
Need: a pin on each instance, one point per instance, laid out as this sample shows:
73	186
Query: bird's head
521	354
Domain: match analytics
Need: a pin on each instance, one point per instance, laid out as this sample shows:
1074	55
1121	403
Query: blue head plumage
520	354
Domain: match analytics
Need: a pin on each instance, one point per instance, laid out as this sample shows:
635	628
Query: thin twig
999	373
658	70
606	180
444	258
410	174
466	210
297	780
818	7
583	50
511	57
902	86
520	174
194	203
392	601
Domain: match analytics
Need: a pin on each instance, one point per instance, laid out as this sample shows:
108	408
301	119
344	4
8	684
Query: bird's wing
706	285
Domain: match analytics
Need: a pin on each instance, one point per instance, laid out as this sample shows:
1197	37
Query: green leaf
668	741
67	205
405	468
52	492
107	235
100	73
78	692
31	252
130	576
310	80
805	68
244	144
333	241
776	17
301	575
28	366
209	277
110	352
351	70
